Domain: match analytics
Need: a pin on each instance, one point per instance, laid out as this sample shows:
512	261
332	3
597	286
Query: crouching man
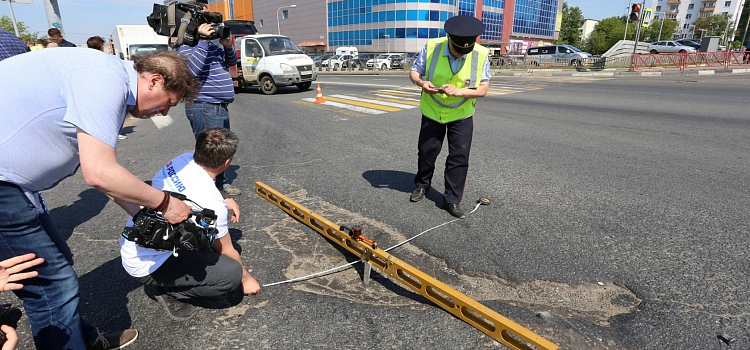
180	276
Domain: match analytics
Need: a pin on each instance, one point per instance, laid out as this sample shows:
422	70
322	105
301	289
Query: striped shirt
10	45
210	64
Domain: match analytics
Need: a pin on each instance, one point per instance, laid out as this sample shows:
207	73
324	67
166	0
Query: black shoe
418	194
113	340
455	210
177	310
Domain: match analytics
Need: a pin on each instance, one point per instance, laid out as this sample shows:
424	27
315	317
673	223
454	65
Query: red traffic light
635	14
636	7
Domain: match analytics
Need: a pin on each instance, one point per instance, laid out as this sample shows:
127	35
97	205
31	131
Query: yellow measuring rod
500	328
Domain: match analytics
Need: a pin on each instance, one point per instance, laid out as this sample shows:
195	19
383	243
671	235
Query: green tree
572	18
651	33
605	34
741	33
714	25
7	25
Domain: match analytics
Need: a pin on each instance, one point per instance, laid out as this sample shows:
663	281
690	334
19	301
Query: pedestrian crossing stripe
375	103
399	99
361	104
346	106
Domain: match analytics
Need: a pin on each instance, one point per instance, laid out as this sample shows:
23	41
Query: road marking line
346	106
396	100
161	121
395	96
402	92
397	106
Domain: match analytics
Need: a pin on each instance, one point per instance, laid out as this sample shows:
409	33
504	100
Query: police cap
463	31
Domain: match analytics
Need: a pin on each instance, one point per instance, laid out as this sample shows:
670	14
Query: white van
347	50
270	61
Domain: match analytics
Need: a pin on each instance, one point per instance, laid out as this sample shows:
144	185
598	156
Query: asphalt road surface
619	218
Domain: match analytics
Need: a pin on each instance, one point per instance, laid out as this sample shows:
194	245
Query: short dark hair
96	43
214	146
173	67
54	32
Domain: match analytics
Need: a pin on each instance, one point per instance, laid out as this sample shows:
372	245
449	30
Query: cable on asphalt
341	267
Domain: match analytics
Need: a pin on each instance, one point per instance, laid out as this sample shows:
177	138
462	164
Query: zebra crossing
384	101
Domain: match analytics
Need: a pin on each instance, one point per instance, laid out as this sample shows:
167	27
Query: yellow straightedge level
500	328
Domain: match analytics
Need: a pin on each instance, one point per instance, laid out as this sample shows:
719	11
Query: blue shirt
456	63
66	43
10	45
210	63
44	96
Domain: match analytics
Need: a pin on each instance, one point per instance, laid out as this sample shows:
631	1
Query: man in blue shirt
447	106
10	45
56	36
80	104
210	64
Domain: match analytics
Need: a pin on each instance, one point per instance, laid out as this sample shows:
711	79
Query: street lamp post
387	42
278	21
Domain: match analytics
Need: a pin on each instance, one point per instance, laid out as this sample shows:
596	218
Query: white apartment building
587	27
687	11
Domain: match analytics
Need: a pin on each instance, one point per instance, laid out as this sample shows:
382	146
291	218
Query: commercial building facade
405	25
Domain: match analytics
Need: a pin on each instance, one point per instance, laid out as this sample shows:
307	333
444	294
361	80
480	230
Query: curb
616	72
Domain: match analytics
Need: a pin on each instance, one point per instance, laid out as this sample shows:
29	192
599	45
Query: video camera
151	230
181	21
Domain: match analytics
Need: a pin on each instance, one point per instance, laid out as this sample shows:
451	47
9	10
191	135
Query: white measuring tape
333	269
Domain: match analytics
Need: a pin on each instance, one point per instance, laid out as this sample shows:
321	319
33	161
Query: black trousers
431	136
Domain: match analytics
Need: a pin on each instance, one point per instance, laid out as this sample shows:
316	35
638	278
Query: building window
688	16
658	8
727	3
285	14
673	7
691	6
261	23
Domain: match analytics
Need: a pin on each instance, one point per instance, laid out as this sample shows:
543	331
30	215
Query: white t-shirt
182	175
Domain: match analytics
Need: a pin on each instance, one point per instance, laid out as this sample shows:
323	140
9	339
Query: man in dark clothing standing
453	72
56	36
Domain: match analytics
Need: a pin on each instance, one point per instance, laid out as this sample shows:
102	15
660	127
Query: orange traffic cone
319	96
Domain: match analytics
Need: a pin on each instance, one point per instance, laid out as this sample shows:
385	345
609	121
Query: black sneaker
113	340
177	310
455	210
418	194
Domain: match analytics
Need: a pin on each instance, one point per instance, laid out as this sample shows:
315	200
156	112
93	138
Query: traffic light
635	13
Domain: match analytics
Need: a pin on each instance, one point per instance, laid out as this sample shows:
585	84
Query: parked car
336	61
411	57
361	60
383	61
318	60
556	54
696	44
398	62
669	46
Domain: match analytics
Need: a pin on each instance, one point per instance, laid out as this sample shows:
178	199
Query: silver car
669	47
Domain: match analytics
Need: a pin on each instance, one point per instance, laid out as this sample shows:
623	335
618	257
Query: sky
82	19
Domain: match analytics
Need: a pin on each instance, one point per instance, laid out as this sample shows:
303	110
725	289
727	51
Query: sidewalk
581	72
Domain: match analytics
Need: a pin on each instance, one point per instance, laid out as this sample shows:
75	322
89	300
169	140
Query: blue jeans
50	299
204	115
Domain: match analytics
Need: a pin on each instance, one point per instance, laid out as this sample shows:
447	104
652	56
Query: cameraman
80	105
210	64
199	274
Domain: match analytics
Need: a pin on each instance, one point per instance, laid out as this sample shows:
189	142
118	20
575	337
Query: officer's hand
206	29
451	90
227	43
429	88
177	211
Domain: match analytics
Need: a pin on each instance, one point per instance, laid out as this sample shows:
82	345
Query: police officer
453	72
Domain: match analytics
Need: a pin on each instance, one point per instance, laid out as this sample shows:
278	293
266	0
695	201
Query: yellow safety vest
441	107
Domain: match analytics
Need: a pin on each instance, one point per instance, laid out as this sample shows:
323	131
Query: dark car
689	42
362	60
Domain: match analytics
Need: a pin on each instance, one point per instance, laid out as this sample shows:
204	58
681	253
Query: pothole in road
594	302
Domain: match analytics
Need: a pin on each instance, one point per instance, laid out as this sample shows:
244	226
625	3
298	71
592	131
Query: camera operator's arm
224	247
101	171
198	54
230	54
